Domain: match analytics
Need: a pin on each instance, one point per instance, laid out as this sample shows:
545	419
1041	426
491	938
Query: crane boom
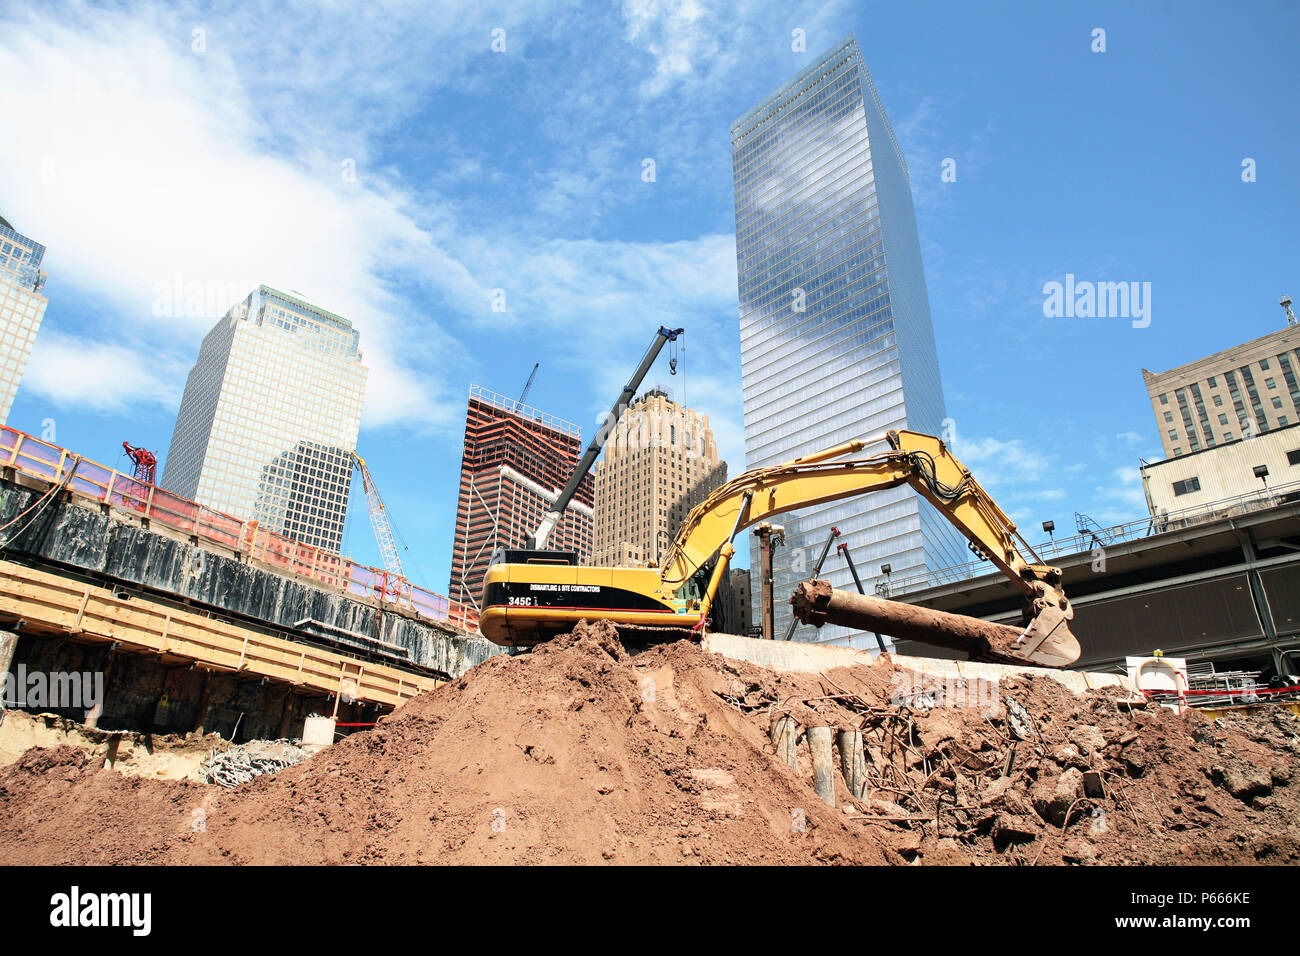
528	384
543	533
144	460
379	521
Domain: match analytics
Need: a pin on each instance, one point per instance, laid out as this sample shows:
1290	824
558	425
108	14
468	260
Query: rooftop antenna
1285	303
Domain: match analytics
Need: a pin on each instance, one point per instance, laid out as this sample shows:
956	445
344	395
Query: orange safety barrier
51	463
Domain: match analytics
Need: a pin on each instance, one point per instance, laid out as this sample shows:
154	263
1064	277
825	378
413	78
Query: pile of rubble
582	752
1028	772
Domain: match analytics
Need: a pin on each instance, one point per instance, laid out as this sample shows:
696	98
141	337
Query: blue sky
150	157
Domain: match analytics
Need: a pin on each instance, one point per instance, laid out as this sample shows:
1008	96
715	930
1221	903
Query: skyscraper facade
660	461
268	423
1247	390
515	463
835	331
22	306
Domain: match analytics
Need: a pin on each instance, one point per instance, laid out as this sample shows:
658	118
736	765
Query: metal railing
1108	536
51	463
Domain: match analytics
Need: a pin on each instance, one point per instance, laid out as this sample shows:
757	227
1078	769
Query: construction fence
51	463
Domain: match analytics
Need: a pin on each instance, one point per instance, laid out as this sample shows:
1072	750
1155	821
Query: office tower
269	419
22	306
660	461
1246	390
733	616
835	334
515	463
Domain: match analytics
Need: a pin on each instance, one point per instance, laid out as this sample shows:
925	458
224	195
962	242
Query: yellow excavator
531	595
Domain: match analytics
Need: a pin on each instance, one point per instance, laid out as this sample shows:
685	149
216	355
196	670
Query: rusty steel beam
817	603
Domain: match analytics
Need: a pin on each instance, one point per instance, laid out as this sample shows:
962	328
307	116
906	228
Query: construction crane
146	463
383	531
539	538
527	385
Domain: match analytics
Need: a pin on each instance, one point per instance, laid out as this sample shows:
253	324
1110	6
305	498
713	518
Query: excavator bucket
1045	642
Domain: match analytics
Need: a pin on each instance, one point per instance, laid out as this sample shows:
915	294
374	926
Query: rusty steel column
817	603
768	536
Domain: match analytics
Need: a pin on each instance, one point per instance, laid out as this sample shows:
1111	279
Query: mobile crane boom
543	533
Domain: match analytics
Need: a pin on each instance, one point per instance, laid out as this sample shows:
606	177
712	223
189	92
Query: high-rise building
515	463
22	306
660	461
269	419
733	614
835	334
1246	390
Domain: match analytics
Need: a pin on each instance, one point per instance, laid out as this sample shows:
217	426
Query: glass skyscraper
22	306
269	419
835	335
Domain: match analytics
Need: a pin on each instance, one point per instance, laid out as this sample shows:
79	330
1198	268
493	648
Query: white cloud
1124	498
997	462
149	173
72	373
676	33
157	170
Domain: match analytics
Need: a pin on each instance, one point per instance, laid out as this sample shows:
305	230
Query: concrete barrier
800	658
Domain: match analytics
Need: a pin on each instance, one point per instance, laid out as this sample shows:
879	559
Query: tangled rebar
239	765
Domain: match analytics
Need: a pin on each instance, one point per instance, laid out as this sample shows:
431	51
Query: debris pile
235	765
1027	772
581	752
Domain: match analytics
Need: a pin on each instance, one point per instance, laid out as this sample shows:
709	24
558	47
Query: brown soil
582	753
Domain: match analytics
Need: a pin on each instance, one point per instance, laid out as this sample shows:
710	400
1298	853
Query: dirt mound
582	753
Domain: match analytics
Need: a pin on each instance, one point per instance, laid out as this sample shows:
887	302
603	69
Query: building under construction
516	460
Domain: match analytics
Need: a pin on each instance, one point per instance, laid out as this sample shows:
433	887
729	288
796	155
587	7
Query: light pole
1261	472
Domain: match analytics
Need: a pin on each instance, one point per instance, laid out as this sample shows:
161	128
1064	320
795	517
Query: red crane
146	462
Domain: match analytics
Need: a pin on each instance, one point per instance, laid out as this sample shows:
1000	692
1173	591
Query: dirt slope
581	753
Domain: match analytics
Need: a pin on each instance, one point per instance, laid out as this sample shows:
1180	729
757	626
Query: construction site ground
583	752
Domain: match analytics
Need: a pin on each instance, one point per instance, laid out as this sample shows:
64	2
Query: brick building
515	463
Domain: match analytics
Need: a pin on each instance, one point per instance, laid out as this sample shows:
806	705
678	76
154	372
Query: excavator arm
925	463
